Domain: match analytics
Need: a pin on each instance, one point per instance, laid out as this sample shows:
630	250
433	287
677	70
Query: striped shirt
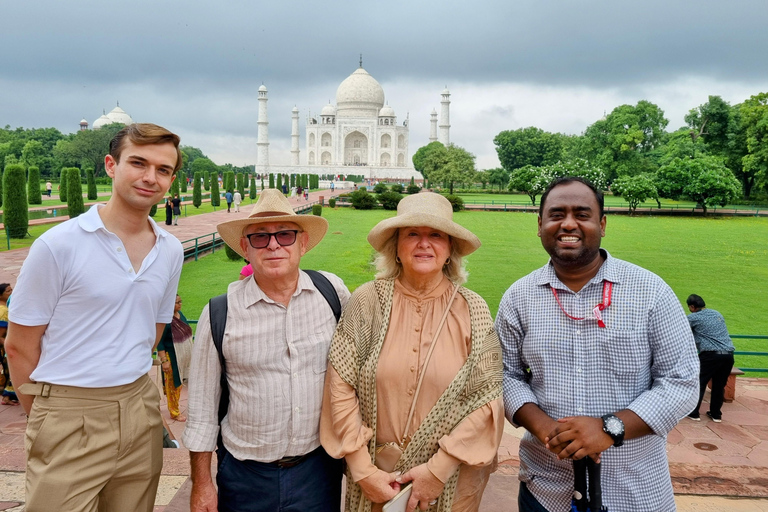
276	362
644	360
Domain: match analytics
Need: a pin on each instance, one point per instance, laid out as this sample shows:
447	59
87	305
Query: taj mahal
359	135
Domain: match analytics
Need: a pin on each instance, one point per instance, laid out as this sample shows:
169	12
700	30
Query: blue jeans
251	486
526	501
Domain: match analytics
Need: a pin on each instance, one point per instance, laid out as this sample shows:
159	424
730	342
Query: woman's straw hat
425	209
272	206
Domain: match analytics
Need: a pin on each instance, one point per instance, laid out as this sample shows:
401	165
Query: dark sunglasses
261	240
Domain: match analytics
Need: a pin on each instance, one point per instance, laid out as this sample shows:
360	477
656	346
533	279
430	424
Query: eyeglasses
262	240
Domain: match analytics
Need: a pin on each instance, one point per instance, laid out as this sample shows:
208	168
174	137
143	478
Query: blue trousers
251	486
526	502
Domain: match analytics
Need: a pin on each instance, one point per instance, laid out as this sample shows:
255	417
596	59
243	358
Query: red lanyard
607	289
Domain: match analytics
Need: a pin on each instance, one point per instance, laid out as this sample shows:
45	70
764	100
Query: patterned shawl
354	354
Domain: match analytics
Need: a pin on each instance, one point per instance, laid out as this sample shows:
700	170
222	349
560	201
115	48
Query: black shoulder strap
217	312
327	290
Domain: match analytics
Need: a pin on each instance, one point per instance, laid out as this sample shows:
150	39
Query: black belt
719	352
289	462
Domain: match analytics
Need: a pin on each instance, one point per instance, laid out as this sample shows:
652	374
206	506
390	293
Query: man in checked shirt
599	361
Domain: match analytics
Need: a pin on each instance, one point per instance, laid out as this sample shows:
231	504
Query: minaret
445	118
262	157
433	126
295	136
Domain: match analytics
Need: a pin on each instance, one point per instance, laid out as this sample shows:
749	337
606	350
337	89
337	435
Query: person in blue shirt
715	354
228	196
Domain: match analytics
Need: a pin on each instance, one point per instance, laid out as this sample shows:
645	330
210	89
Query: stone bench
730	386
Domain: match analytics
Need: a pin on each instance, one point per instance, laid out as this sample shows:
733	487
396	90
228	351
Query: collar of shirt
91	221
253	293
609	271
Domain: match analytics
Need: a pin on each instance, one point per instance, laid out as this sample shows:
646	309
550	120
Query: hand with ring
426	488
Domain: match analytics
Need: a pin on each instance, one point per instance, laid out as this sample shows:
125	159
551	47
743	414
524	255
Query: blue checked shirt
709	331
643	360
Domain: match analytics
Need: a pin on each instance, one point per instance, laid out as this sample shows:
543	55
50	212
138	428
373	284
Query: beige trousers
93	449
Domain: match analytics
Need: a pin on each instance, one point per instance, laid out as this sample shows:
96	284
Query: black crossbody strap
327	290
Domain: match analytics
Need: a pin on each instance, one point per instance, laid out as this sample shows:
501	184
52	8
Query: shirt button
119	249
295	375
296	409
293	440
579	409
417	329
578	331
410	391
413	368
578	370
415	349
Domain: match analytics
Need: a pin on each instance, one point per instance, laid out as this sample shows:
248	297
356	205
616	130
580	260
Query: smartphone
400	501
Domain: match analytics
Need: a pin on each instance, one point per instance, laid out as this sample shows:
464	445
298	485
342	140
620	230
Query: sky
195	66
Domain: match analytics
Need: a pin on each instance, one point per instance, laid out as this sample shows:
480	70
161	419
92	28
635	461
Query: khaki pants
93	449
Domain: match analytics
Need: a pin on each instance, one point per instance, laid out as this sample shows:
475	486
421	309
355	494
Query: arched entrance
356	149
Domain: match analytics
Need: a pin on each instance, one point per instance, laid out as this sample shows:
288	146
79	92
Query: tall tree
419	158
34	195
635	189
215	195
621	143
710	122
87	148
704	179
527	146
63	183
33	154
15	213
754	119
75	204
252	188
197	193
530	180
450	165
498	176
93	193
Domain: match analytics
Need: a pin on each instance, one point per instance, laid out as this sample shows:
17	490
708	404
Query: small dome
263	88
387	111
102	121
359	94
434	112
83	122
118	115
295	109
328	110
446	91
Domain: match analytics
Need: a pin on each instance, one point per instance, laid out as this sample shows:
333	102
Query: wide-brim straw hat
425	209
272	206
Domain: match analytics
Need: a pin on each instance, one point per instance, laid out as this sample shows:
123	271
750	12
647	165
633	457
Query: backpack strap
217	312
327	290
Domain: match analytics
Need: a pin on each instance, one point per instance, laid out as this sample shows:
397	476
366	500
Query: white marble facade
359	131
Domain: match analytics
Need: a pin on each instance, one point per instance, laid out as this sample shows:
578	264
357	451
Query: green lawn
725	260
610	200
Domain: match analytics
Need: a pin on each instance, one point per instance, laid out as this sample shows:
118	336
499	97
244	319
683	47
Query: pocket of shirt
625	352
320	348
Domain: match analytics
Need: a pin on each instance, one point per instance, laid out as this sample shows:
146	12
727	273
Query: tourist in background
168	211
176	202
6	387
175	354
442	436
715	355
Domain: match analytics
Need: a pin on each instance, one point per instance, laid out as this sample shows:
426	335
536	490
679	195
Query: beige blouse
474	442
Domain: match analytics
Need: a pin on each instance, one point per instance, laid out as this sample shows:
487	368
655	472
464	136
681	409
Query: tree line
720	155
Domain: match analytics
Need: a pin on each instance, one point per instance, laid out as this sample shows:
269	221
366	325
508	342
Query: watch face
614	425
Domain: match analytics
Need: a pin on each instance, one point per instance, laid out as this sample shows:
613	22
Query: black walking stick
583	502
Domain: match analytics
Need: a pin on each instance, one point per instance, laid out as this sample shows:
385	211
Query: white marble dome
359	95
263	88
119	115
387	111
328	110
102	121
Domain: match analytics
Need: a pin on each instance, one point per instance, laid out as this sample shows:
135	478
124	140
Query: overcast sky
195	66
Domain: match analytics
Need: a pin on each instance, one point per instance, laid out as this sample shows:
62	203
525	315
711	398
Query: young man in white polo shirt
90	304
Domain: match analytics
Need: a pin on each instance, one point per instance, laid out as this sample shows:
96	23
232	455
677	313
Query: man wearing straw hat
278	332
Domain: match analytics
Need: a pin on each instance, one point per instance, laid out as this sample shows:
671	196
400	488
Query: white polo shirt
100	313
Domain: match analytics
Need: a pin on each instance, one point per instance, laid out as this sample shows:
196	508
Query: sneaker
694	417
716	420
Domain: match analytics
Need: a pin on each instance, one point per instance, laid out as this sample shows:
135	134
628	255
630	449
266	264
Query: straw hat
272	206
425	209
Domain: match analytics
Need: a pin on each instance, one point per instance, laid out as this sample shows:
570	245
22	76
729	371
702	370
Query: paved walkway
715	467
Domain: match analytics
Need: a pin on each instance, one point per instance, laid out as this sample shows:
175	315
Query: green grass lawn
725	260
610	200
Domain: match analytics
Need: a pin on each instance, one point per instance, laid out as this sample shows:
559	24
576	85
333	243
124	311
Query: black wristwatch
614	427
